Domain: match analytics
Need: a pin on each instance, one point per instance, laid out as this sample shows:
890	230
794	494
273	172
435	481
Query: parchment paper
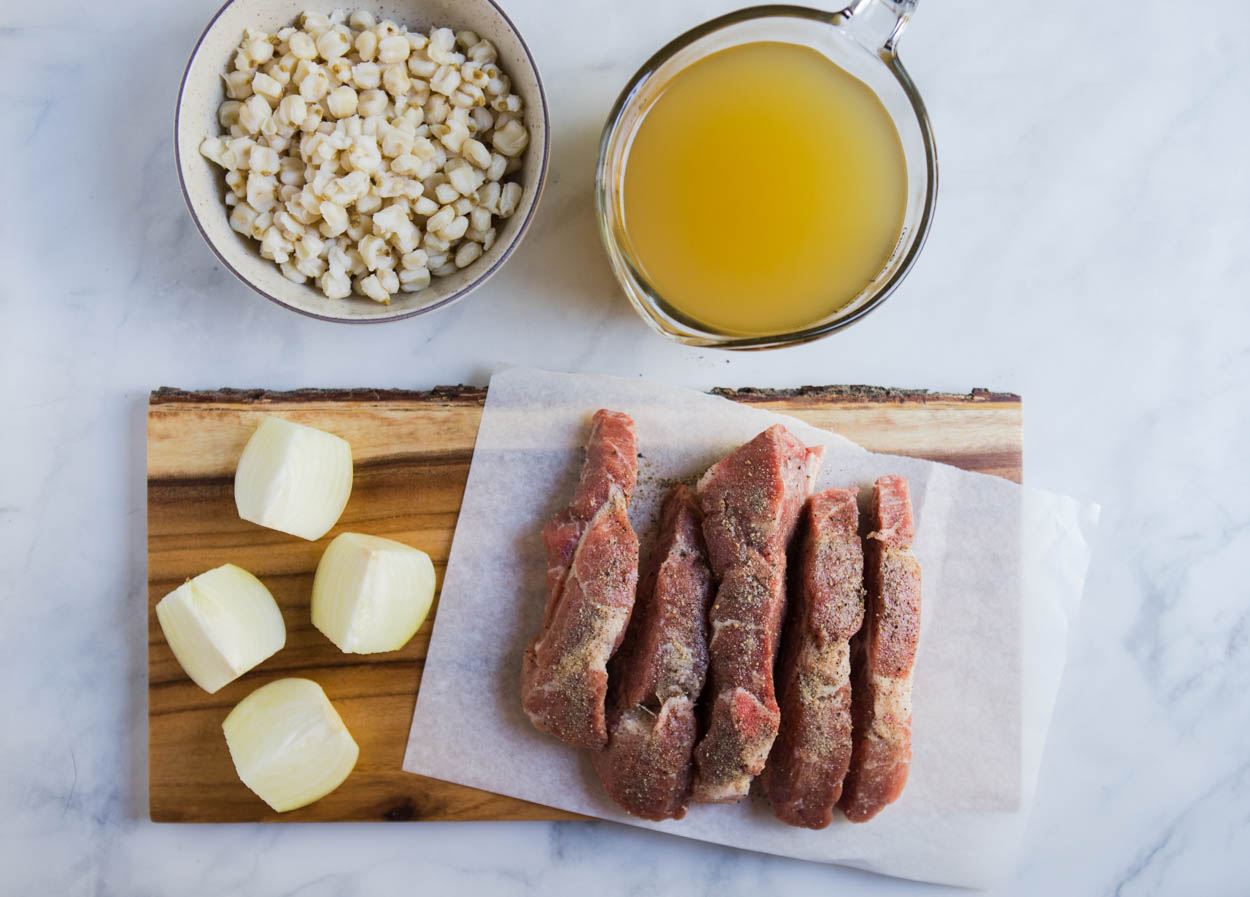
1003	568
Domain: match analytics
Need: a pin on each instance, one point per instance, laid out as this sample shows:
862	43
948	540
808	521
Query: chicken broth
765	187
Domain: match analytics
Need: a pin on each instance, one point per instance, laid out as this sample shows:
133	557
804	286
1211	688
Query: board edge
476	395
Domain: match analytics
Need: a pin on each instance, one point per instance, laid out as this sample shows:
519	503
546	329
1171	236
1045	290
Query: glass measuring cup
862	40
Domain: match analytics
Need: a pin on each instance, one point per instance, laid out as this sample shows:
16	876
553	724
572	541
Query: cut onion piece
221	624
293	478
289	744
371	594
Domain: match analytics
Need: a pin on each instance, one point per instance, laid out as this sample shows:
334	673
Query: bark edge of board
476	395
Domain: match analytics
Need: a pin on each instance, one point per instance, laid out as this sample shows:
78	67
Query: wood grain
412	452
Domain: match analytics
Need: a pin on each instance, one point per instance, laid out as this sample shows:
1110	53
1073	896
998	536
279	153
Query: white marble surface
1090	252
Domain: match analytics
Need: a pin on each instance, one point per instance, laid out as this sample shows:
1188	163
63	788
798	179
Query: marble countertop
1089	252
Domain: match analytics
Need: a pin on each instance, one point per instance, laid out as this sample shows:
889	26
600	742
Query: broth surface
764	188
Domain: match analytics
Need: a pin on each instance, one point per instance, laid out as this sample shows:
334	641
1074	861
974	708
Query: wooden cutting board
412	453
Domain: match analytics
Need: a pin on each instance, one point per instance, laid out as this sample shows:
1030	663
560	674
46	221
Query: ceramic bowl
203	182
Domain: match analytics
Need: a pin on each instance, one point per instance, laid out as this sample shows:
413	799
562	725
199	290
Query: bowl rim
384	318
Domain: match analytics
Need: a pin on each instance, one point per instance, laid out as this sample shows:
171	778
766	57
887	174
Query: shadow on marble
566	228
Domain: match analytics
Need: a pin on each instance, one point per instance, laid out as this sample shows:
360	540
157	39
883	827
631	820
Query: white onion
289	744
371	594
293	478
221	624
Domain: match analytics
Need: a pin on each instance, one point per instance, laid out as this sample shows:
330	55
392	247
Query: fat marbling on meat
810	757
658	674
750	501
592	571
883	654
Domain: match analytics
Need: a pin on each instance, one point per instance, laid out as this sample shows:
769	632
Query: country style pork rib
659	672
884	652
813	750
592	570
750	501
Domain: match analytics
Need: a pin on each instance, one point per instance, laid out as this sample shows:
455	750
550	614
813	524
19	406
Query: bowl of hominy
362	163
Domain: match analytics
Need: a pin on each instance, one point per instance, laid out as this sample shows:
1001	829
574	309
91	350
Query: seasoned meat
592	571
658	674
750	501
882	657
810	757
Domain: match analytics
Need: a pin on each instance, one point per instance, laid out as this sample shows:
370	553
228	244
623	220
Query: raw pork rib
750	502
813	750
658	673
884	652
592	570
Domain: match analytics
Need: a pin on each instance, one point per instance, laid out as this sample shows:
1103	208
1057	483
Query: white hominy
467	254
366	158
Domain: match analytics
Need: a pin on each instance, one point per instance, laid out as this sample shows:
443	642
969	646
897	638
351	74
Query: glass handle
877	24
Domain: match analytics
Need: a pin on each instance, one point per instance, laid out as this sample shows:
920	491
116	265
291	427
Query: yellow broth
764	188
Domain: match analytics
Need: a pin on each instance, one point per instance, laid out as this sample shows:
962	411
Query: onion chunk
221	624
293	478
371	594
289	744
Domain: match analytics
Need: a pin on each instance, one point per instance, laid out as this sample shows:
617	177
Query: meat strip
750	501
659	672
810	757
883	655
592	571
